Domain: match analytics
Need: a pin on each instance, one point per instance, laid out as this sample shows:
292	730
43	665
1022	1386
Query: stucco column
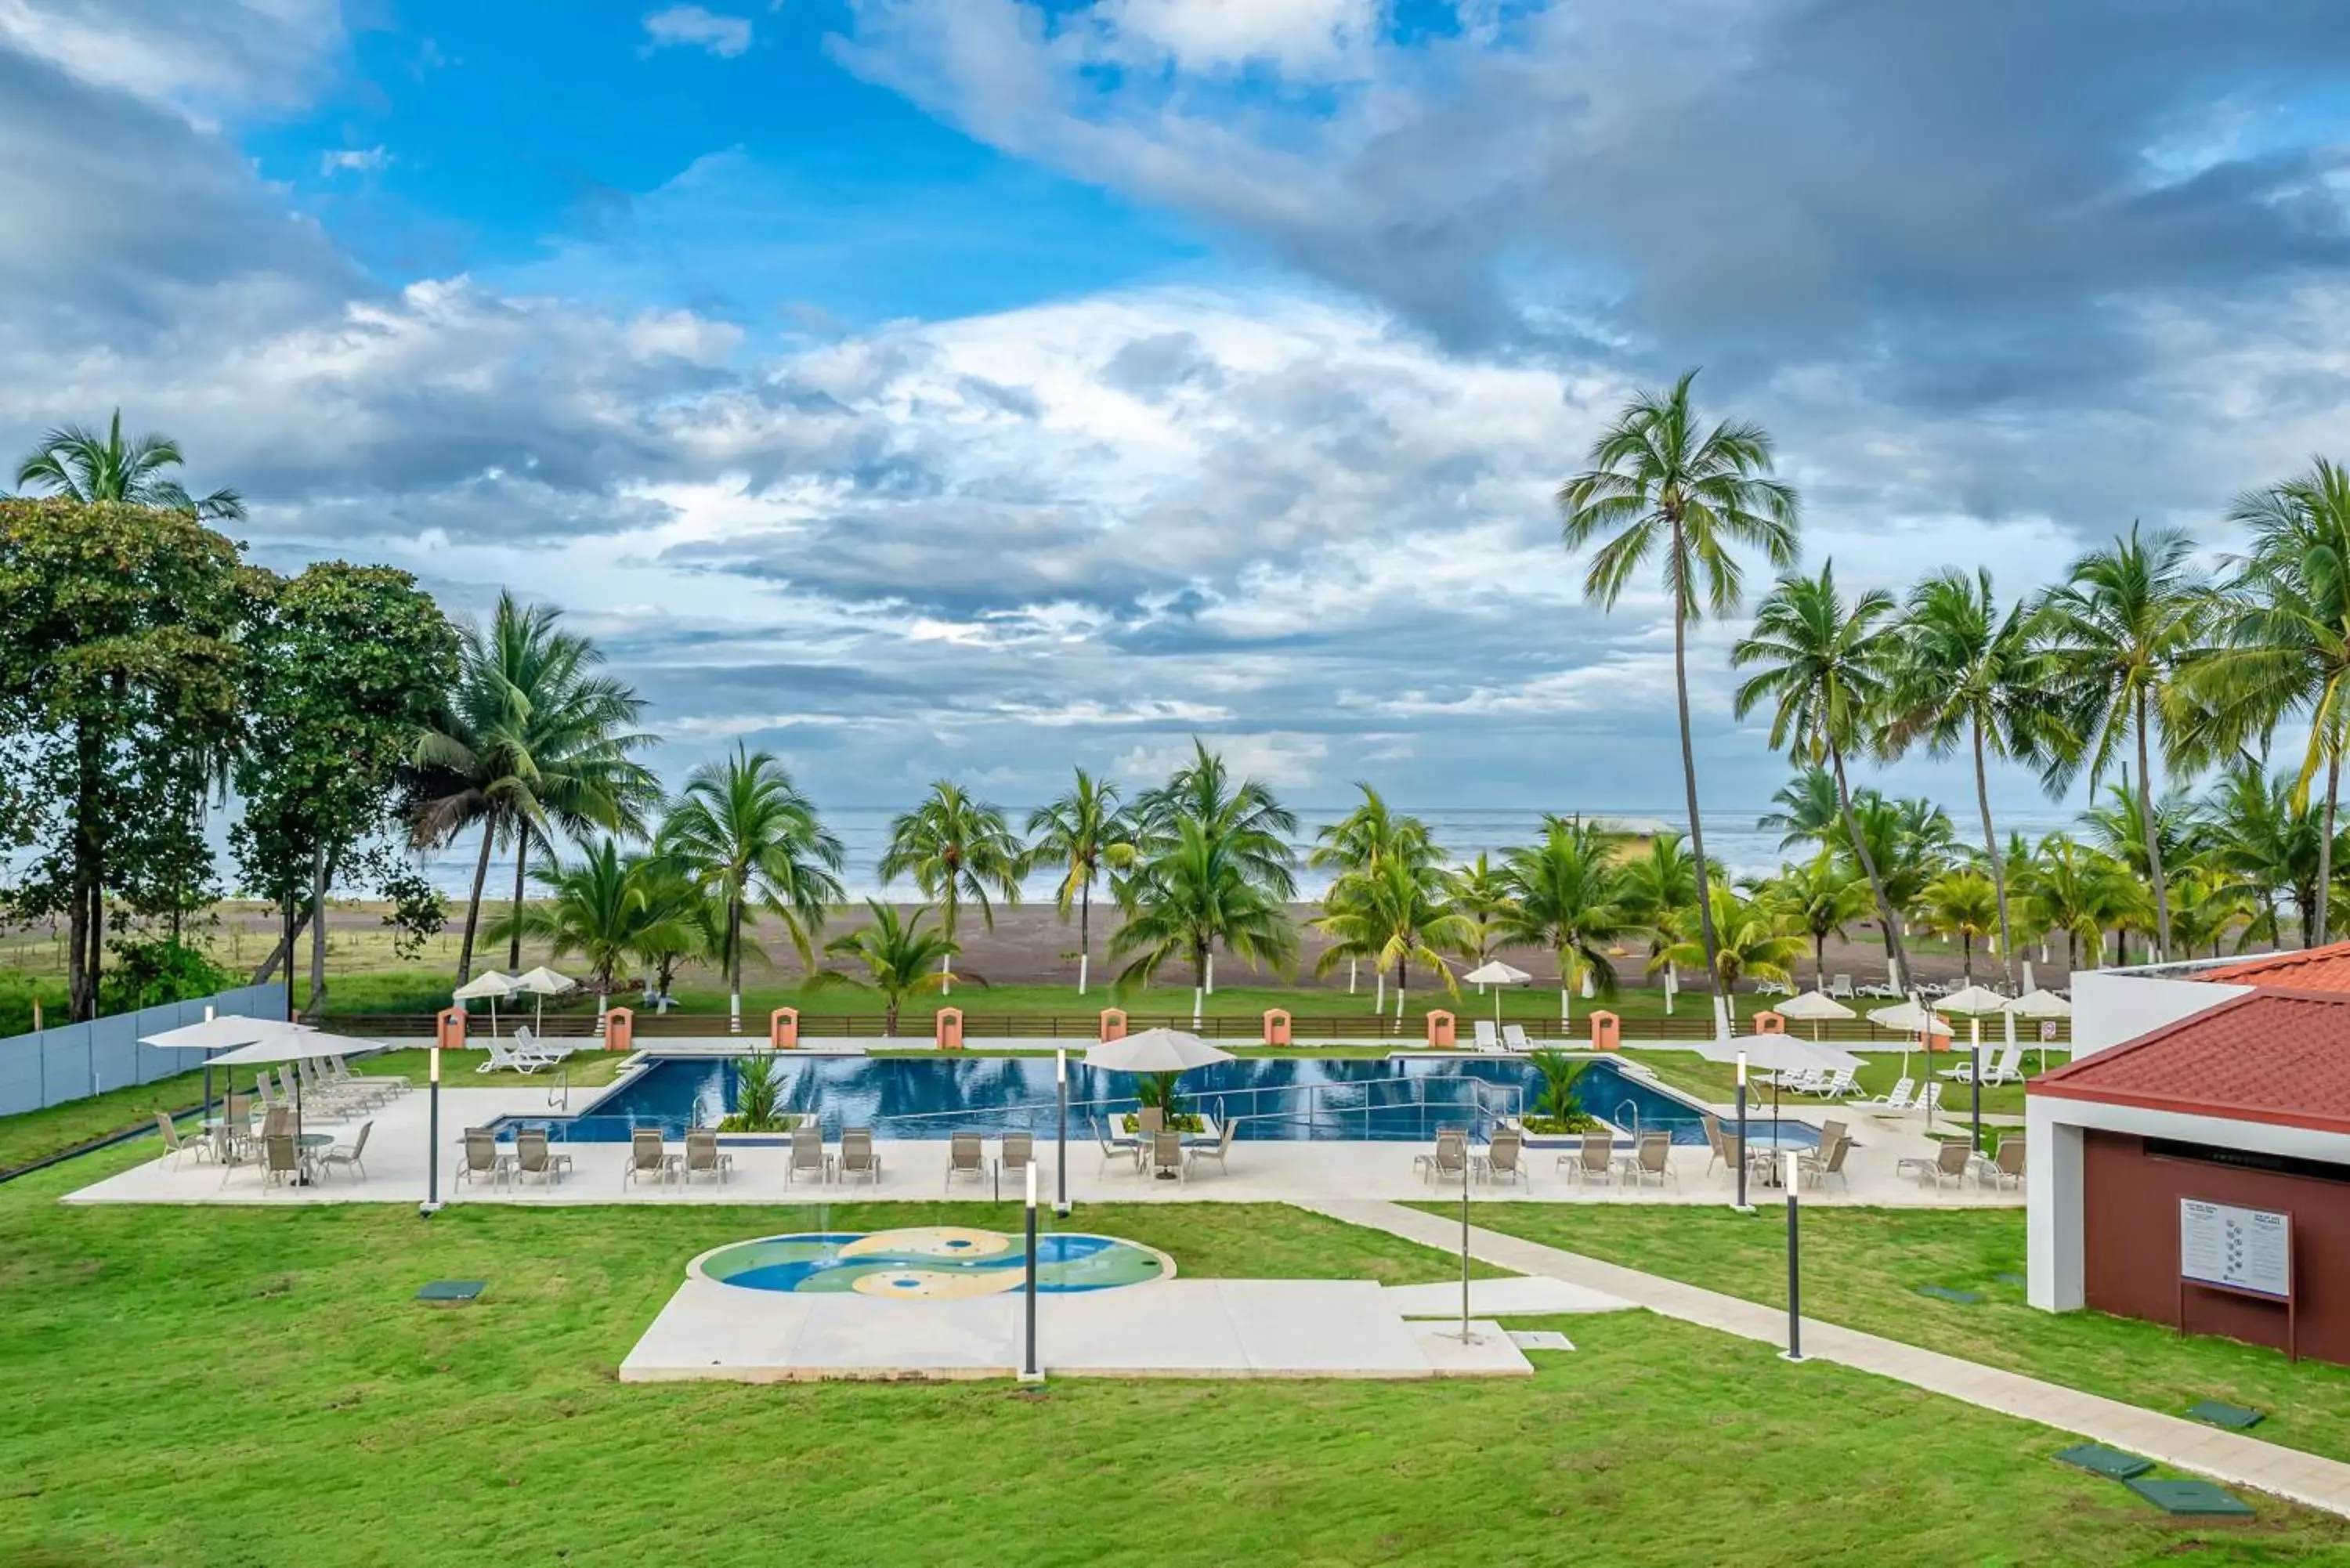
2053	1204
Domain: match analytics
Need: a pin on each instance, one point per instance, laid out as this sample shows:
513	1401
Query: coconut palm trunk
1085	932
472	908
2325	844
1688	780
2152	844
1886	913
1998	864
522	858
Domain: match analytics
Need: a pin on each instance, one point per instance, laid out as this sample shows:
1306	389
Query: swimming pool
1290	1098
930	1264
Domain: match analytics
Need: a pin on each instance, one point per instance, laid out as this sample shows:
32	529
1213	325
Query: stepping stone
452	1293
1944	1294
2235	1417
2099	1459
2198	1497
1540	1339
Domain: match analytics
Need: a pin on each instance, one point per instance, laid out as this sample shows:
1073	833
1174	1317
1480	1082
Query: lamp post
1794	1351
1974	1074
1061	1156
1742	1206
1029	1371
432	1204
1465	1336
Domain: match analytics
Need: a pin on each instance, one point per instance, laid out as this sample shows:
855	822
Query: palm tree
1248	827
2121	626
1963	903
1824	670
1661	485
1571	896
683	922
87	467
1823	895
1196	890
2077	891
1358	842
602	906
2118	831
1806	810
957	850
2256	833
748	835
897	956
2282	644
2207	903
1972	676
1757	942
531	742
1660	895
1394	913
1083	832
1482	893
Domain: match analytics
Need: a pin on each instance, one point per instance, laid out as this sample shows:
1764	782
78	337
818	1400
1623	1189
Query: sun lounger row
524	1053
1956	1161
1501	1037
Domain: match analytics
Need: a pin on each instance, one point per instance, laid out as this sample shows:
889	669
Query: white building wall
2111	1006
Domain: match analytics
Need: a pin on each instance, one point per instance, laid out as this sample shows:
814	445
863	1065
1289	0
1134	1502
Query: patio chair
392	1083
351	1156
1448	1161
1514	1037
1840	987
1929	1101
648	1158
1489	1034
1817	1165
2008	1068
529	1047
858	1158
1166	1155
1593	1160
282	1163
1712	1125
966	1155
808	1157
1149	1120
704	1157
484	1160
2003	1169
1504	1157
176	1149
1117	1148
1831	1130
1949	1164
1881	989
1834	1087
1896	1098
1220	1151
532	1156
1014	1155
1652	1156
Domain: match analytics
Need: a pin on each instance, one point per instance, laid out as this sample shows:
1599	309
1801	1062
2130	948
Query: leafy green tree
1822	895
2077	891
1196	890
1660	895
1758	942
1246	828
343	664
2122	626
1662	486
1970	675
1961	902
899	959
958	850
1806	811
2259	834
81	465
120	664
1082	833
1393	915
748	835
1480	891
1358	844
605	908
1571	897
1822	667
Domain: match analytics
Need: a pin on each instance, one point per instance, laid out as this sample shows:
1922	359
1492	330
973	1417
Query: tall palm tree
603	906
1823	895
1963	903
2257	834
2078	890
1197	890
747	835
1248	827
1823	666
2282	643
958	850
1083	832
86	466
1806	811
531	742
1662	485
1974	676
1481	892
1660	895
1393	914
1357	843
898	956
2125	621
1570	894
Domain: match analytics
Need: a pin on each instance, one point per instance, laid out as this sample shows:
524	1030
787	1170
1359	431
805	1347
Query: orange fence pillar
1606	1032
784	1029
949	1029
1276	1027
621	1029
449	1029
1440	1029
1767	1022
1113	1024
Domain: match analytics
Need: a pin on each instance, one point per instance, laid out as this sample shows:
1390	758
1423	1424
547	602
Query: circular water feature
934	1263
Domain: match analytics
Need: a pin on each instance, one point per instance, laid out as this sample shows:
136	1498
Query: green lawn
1862	1268
36	1135
1718	1081
241	1386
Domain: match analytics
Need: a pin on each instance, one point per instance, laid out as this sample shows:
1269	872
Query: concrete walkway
2223	1456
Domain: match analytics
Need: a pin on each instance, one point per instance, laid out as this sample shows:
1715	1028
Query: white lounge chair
528	1047
1489	1034
1840	987
503	1059
1895	1100
1834	1087
1513	1036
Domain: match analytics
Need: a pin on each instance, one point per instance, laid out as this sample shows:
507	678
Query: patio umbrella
491	984
1777	1053
1971	1004
2040	1004
1497	974
1910	1019
291	1046
543	982
1814	1007
1155	1051
221	1033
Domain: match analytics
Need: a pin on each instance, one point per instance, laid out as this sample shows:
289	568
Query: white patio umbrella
1971	1004
1776	1054
291	1046
1497	974
1910	1019
1813	1007
542	982
2040	1004
1155	1051
489	983
221	1032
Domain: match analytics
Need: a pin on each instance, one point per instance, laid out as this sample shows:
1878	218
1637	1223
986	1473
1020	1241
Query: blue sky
980	387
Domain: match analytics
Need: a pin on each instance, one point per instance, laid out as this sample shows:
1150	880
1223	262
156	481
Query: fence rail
74	1060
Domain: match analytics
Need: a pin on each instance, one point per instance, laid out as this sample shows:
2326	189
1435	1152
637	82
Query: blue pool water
1402	1099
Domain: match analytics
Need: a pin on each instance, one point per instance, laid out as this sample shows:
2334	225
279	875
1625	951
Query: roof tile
2270	1055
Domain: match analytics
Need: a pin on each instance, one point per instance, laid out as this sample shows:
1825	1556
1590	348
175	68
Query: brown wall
2130	1244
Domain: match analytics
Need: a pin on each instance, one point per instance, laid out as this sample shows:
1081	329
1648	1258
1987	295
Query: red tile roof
2311	969
2270	1055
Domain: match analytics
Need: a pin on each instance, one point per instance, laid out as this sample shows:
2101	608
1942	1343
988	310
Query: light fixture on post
1030	1372
1061	1156
1794	1351
432	1204
1742	1206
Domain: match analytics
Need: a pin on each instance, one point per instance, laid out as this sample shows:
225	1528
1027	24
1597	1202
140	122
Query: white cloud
355	160
694	27
1297	37
197	56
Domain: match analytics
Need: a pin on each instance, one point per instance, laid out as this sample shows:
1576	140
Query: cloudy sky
981	386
